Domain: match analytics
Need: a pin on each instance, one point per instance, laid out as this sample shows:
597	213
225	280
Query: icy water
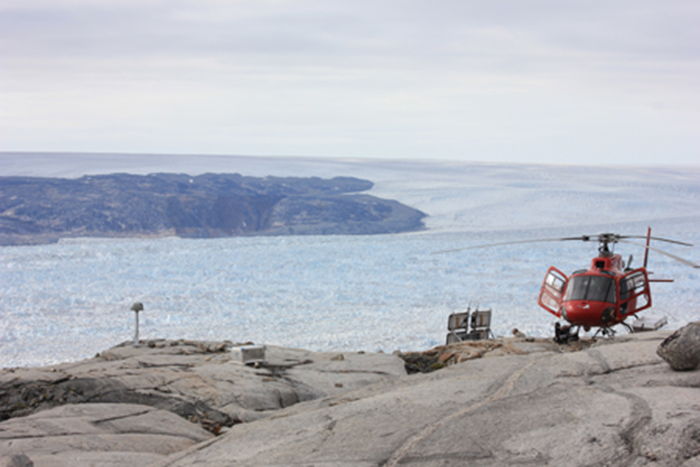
71	300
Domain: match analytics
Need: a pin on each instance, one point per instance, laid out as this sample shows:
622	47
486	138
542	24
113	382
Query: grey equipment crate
249	354
649	323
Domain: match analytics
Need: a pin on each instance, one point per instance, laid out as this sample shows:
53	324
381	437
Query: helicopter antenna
646	250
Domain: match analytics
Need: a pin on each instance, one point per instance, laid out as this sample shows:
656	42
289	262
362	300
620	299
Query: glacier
72	299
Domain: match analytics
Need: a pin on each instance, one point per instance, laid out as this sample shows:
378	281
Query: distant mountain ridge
41	210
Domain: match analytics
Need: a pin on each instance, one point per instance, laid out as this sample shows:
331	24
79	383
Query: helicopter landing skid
564	334
606	332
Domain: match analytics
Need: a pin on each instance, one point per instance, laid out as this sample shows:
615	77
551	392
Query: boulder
681	350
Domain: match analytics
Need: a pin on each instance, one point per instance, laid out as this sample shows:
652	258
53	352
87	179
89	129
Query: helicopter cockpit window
591	287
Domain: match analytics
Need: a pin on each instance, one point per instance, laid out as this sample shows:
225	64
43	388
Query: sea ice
70	300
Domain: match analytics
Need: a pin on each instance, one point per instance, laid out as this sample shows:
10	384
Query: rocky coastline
508	401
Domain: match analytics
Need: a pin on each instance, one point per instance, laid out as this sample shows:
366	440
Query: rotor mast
604	240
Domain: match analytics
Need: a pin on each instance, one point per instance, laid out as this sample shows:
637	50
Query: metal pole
136	307
136	336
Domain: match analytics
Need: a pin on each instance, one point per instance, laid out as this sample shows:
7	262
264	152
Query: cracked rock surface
167	395
506	402
97	434
613	403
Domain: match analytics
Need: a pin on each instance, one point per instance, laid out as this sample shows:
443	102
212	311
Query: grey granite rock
507	402
613	403
98	434
199	381
134	405
16	460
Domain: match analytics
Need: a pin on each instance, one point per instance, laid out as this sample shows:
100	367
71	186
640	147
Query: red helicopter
605	294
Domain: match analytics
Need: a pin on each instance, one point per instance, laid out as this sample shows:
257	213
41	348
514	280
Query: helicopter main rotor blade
677	258
667	240
601	238
582	238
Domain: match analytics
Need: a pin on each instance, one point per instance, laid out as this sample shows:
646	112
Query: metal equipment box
249	354
649	323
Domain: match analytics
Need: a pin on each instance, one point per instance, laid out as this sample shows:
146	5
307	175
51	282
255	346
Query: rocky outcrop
40	210
443	356
518	401
613	403
132	405
681	350
199	381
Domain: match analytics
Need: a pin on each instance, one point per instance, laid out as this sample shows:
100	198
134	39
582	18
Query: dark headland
42	210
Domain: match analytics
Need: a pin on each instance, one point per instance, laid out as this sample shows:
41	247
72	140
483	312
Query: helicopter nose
585	313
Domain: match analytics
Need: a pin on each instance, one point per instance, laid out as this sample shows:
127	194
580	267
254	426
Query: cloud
496	79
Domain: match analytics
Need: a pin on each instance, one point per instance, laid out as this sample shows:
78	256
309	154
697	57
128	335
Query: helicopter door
634	292
552	291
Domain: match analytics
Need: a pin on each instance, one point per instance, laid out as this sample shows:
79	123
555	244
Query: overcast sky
551	81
